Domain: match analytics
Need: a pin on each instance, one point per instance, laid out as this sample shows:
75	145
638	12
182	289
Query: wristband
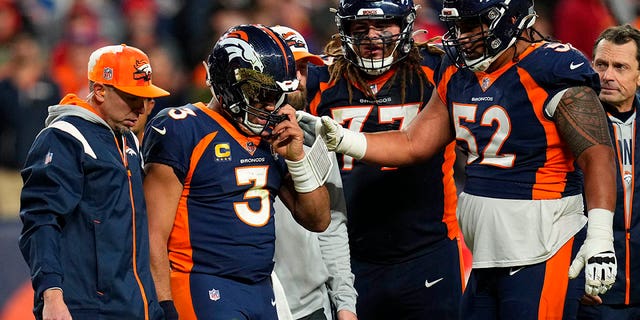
600	224
312	171
352	144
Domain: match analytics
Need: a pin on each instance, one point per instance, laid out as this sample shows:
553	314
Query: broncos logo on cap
238	48
293	41
143	70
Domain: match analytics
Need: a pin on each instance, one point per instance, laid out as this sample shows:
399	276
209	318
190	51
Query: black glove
170	312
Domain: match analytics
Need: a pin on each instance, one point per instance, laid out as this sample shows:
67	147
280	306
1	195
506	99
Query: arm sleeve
53	183
334	245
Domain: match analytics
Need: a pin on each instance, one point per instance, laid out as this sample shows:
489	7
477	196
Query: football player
403	233
526	113
213	172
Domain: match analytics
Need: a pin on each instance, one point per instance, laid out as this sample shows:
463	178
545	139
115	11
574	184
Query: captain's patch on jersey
222	151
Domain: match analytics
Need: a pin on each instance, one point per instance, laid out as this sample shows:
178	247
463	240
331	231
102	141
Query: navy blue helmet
500	23
402	12
250	66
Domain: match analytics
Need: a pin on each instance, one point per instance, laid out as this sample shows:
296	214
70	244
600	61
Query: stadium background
45	44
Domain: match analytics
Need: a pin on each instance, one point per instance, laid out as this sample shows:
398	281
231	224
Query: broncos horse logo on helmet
239	47
250	66
402	12
500	22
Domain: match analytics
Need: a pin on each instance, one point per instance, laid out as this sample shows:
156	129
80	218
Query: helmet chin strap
257	128
369	65
253	127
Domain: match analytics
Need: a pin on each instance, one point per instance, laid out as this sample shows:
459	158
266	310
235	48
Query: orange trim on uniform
179	244
430	74
450	193
313	105
450	203
180	249
243	140
490	78
181	294
379	82
551	177
465	264
446	77
556	282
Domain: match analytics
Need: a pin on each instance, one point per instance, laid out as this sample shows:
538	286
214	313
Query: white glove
310	125
597	253
338	139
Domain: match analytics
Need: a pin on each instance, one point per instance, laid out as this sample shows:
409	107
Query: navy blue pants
427	287
532	292
207	297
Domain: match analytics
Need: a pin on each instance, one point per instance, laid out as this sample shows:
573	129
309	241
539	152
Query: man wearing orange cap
314	268
84	233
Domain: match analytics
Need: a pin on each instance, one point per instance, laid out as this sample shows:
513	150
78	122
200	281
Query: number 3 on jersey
494	116
256	176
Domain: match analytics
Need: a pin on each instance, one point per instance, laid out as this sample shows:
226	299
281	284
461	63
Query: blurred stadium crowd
44	45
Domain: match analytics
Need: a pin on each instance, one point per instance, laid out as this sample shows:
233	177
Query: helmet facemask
497	28
253	92
395	46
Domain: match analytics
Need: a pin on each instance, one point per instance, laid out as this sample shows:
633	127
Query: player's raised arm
426	135
303	193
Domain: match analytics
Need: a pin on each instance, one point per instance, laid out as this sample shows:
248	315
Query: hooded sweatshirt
84	217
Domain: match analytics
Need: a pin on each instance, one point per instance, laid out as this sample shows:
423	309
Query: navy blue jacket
84	217
626	232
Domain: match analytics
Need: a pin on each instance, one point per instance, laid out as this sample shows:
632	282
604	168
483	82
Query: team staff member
616	55
213	172
403	233
84	233
524	111
314	268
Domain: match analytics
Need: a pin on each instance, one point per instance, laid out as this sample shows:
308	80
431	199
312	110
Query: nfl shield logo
107	73
48	158
485	83
214	294
251	147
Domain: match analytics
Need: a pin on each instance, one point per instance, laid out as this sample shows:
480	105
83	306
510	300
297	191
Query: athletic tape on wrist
600	224
352	144
312	171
